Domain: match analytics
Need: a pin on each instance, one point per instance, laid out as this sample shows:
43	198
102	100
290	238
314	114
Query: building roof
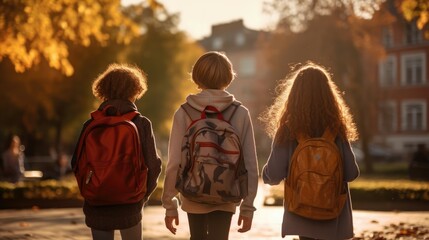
231	36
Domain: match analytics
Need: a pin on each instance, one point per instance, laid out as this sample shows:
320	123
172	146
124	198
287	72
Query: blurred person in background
62	166
13	159
419	165
60	169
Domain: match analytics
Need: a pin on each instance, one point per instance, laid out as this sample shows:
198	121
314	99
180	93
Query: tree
417	10
48	108
297	14
334	34
36	29
166	55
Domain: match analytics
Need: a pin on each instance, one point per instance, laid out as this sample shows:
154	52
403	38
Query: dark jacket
128	215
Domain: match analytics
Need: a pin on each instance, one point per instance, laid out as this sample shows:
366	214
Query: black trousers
306	238
210	226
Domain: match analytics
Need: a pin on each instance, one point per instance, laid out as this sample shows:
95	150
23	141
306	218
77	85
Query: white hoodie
242	123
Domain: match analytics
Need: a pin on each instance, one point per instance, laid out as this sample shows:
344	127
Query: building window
413	69
247	66
387	71
387	121
412	33
387	36
414	115
217	43
240	39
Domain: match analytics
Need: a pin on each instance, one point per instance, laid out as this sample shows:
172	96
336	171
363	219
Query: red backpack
110	167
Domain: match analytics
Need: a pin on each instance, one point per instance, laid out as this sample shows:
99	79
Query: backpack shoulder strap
192	113
300	137
130	115
229	112
329	135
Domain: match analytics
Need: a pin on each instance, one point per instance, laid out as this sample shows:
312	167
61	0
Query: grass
391	175
387	170
389	183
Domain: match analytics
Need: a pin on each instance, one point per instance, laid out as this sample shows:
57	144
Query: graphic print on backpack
212	169
110	167
314	187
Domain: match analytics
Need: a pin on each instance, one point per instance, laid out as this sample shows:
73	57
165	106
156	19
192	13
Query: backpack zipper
88	178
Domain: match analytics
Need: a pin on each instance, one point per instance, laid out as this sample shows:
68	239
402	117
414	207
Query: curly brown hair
308	102
120	81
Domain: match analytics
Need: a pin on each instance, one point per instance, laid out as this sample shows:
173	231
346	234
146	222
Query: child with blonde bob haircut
212	73
308	103
119	86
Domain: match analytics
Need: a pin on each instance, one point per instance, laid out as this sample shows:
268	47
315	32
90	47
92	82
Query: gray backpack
212	168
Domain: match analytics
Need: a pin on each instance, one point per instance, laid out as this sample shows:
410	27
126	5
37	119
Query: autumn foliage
418	11
51	51
35	29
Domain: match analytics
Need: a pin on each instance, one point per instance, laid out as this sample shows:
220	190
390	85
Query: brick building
401	120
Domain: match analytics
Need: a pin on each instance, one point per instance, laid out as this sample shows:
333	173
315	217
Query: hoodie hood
121	106
219	99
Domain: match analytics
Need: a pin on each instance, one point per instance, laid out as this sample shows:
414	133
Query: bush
49	193
389	190
45	189
367	191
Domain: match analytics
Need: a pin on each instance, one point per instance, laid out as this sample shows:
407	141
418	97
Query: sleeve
7	163
250	157
351	168
277	166
169	200
151	158
74	157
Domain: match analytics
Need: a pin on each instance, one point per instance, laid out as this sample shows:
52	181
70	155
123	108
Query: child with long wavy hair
308	103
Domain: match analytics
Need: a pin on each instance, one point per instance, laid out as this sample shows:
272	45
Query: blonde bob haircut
213	70
120	81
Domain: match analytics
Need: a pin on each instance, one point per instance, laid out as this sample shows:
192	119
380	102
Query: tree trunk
369	168
58	137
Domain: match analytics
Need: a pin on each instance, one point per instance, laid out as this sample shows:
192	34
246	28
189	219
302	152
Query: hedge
48	193
364	191
375	194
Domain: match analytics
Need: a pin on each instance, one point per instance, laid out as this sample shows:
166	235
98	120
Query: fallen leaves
401	231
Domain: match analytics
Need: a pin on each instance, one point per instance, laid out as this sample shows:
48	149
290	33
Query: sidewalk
69	223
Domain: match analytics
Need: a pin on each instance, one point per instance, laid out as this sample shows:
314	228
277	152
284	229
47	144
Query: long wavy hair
307	103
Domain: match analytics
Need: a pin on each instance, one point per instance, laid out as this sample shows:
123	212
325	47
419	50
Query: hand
245	222
169	223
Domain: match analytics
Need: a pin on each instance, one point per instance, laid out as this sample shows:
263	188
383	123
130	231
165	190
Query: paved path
69	223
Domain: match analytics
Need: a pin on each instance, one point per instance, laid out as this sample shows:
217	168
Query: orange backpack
314	187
